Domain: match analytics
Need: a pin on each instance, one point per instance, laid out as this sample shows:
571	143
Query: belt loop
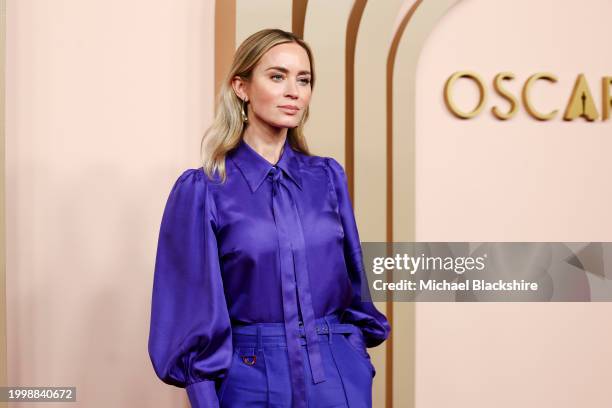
329	329
259	342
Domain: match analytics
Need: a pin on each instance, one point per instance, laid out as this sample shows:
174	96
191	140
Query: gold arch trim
298	17
225	41
397	36
352	29
418	22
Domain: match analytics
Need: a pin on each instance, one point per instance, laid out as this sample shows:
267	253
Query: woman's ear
239	87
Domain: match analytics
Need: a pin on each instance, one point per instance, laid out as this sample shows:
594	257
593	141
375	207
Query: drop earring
245	118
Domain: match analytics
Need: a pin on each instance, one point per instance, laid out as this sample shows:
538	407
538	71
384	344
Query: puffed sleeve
361	312
190	342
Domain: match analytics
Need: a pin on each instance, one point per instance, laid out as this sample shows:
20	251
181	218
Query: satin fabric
219	263
295	283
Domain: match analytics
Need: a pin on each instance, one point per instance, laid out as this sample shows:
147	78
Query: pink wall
519	180
106	103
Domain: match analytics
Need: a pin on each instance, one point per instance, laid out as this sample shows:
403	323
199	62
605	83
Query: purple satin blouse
217	262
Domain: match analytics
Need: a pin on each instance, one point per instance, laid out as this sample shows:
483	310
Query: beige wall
105	105
519	180
106	101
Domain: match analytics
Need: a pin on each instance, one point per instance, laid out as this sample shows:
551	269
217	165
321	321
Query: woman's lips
289	111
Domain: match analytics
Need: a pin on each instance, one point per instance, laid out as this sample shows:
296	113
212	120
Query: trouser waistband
267	333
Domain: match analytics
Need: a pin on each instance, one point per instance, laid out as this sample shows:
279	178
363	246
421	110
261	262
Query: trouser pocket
247	381
356	343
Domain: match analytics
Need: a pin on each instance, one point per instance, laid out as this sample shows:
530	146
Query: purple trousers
259	373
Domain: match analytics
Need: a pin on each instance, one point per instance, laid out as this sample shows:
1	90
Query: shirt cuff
202	394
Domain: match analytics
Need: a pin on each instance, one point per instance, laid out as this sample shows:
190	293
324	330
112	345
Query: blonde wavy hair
227	128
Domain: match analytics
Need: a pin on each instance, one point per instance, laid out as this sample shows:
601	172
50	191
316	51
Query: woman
258	276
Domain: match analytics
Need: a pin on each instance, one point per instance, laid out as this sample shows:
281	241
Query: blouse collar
255	168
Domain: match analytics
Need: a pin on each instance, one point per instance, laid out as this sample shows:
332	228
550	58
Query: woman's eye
305	81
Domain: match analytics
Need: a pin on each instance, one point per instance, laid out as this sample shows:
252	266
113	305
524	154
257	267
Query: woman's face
279	90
